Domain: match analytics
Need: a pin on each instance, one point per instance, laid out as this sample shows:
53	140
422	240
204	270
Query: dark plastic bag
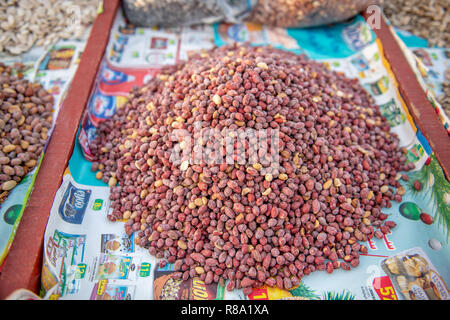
175	13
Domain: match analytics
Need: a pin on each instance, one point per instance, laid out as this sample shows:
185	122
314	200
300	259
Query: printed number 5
388	291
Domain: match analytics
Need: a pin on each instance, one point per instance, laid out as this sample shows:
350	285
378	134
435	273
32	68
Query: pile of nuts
306	13
429	19
42	22
25	119
444	98
302	203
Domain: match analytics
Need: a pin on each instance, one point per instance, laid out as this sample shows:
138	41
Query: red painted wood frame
420	108
22	267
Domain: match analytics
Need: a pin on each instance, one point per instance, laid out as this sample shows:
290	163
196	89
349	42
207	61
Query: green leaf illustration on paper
436	189
303	291
343	295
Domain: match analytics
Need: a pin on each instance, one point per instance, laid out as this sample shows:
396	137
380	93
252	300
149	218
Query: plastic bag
176	13
306	13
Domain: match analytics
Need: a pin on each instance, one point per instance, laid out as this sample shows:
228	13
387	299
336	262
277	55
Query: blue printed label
101	105
74	204
357	36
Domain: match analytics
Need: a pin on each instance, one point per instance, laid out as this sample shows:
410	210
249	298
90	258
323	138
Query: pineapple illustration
302	292
343	295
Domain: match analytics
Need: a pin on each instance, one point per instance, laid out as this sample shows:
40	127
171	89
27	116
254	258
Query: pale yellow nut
328	184
8	148
8	185
337	183
257	166
198	202
112	182
24	144
127	214
217	99
144	193
246	191
191	205
31	163
267	191
262	65
199	270
184	165
182	245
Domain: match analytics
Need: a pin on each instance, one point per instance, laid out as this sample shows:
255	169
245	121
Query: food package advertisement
87	256
54	69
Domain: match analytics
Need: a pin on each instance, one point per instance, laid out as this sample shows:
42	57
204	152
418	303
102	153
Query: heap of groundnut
298	195
26	116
